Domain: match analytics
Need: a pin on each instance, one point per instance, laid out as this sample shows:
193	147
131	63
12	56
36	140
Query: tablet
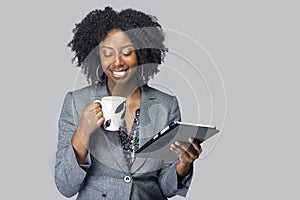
158	146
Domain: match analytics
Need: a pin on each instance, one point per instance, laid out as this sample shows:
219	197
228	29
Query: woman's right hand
91	119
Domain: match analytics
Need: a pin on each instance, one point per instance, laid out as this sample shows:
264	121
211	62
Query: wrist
184	164
82	134
183	168
80	147
82	138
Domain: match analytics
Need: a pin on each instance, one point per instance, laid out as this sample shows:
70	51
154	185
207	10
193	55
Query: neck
128	90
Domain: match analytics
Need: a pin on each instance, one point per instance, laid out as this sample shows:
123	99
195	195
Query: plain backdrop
255	46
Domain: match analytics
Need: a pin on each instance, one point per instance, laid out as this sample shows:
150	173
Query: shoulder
80	98
85	94
88	90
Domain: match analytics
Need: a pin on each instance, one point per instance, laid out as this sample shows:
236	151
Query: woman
119	53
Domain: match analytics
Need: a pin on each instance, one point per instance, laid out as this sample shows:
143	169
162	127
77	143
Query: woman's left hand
187	154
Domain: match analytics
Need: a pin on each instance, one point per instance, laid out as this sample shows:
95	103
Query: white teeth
119	74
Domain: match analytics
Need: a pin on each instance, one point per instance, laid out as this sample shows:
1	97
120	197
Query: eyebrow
108	47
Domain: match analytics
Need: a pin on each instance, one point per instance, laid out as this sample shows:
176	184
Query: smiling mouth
119	74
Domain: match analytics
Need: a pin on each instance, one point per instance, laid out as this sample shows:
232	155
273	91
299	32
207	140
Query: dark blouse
130	143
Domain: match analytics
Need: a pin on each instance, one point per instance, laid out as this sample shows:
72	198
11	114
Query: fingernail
172	145
177	143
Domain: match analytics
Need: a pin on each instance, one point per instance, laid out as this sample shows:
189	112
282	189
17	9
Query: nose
118	62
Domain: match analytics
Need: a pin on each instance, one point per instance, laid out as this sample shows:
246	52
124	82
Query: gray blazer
105	174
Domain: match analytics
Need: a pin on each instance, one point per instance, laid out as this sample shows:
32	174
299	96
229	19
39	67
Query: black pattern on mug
120	107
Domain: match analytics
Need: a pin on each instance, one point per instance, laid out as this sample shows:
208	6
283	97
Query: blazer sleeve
168	179
69	176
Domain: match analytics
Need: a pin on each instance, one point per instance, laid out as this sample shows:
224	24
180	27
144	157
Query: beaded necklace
130	143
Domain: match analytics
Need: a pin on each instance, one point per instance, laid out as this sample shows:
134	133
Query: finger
97	110
176	149
189	149
184	149
183	146
93	106
100	121
181	153
99	115
98	104
195	144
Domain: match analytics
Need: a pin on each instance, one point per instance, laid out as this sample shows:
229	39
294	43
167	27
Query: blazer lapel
148	99
145	132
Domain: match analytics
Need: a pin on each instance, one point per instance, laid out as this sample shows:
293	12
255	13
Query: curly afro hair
143	30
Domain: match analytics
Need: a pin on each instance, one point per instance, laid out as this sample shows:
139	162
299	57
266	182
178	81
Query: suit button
127	179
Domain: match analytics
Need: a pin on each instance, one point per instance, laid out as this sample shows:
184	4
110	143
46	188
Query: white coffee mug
113	108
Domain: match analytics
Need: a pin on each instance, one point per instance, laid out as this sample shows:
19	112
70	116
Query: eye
107	54
127	52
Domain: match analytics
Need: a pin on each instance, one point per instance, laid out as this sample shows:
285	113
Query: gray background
255	45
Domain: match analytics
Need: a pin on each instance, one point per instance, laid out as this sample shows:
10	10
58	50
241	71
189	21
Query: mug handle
98	101
107	122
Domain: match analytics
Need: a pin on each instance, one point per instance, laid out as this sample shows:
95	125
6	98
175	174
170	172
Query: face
118	58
